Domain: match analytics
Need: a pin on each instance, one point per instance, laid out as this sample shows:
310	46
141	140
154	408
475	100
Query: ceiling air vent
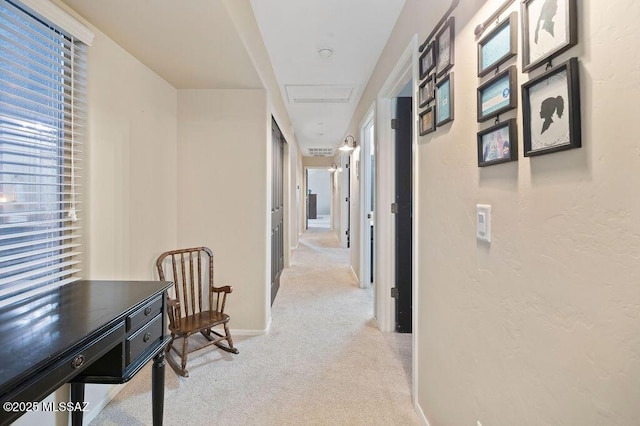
319	94
321	152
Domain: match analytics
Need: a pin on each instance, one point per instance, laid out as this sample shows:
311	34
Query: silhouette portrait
548	12
547	108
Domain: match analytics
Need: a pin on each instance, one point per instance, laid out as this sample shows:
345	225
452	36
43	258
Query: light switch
483	222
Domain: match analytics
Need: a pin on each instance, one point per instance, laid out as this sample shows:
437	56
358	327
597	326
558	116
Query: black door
403	215
348	200
277	217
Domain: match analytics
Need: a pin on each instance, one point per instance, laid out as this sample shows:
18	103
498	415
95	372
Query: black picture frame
427	60
552	124
427	91
554	30
444	100
498	95
493	141
427	120
444	46
498	46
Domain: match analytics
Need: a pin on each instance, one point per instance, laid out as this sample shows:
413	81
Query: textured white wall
224	148
541	327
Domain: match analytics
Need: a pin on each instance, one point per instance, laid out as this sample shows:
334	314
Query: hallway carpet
323	361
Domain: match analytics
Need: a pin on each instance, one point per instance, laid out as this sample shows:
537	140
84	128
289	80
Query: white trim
406	69
385	229
247	332
97	409
401	74
354	275
345	195
421	416
365	172
53	14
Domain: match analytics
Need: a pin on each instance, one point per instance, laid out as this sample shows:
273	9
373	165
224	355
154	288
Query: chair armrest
224	289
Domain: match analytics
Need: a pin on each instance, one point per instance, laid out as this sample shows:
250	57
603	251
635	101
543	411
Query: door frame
365	190
345	199
405	70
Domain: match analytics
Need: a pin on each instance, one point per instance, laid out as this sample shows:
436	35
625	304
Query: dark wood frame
440	83
450	27
431	94
188	314
512	22
513	143
572	35
572	110
512	78
430	110
428	51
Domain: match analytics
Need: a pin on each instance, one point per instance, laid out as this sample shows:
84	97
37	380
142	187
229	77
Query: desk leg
77	397
157	388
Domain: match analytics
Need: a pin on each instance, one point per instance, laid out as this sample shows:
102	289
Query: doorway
277	207
402	209
367	200
402	81
319	198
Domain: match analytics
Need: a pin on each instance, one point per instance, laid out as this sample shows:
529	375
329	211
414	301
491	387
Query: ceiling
321	93
194	45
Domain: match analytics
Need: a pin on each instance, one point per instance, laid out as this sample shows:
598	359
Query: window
42	117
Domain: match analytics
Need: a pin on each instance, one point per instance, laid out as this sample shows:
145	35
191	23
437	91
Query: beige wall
224	187
241	14
132	184
539	327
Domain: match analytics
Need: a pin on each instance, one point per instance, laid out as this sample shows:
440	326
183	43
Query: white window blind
42	121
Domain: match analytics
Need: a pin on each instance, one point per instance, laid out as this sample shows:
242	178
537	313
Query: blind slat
39	262
23	255
24	244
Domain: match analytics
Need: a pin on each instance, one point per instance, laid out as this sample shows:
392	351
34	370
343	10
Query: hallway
323	361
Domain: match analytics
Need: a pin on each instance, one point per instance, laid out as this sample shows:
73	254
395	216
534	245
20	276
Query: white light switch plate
483	222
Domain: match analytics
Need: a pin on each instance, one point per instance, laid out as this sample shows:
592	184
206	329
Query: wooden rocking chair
192	309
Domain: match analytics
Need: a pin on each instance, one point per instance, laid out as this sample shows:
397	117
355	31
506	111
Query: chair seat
196	322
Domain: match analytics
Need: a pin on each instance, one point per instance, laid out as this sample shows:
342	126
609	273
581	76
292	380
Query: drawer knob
77	361
146	337
147	311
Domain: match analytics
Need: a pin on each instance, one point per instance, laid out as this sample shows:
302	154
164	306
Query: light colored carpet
323	362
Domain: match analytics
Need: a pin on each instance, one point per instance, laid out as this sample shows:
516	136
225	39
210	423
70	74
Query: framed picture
444	44
427	119
498	144
498	46
498	95
427	60
444	100
427	91
551	110
549	27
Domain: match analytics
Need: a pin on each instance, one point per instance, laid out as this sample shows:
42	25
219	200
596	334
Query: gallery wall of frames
550	98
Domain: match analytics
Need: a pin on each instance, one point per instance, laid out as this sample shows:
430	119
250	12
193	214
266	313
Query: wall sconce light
349	144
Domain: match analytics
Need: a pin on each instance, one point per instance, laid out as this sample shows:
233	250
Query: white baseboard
246	332
354	275
97	408
421	416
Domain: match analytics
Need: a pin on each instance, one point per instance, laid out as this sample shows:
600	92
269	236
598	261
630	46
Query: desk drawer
144	314
143	338
64	369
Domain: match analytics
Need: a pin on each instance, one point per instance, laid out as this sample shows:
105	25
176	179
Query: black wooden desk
84	332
